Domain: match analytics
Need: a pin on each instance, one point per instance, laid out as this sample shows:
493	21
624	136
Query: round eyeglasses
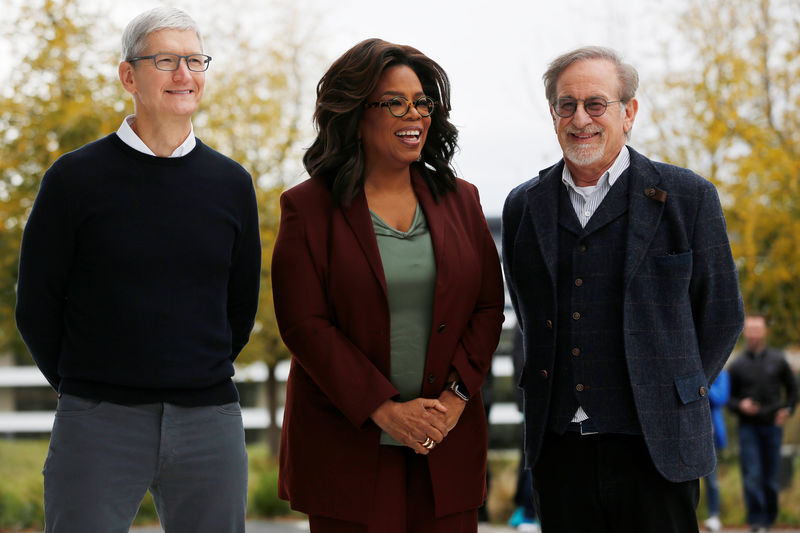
194	62
399	105
594	106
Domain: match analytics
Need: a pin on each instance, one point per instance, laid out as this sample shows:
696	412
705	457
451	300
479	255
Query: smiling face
591	144
165	95
393	142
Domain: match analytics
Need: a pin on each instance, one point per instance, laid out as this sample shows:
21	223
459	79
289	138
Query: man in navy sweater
138	287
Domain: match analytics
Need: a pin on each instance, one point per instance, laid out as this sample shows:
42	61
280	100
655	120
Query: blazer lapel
543	209
437	222
360	222
646	205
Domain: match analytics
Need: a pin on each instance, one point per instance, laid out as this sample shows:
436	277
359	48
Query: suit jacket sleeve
717	305
346	376
473	356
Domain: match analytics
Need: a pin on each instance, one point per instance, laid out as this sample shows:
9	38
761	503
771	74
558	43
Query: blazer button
544	374
431	378
548	324
576	351
578	282
441	328
576	316
702	391
581	248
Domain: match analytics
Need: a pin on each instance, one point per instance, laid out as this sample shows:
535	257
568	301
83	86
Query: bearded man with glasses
138	287
621	274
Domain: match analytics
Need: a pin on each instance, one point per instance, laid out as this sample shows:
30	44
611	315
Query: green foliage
733	116
262	498
57	100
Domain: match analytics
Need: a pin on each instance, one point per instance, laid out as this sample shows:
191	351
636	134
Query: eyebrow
398	93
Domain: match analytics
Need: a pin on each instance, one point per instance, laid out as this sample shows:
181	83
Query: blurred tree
64	92
731	112
60	95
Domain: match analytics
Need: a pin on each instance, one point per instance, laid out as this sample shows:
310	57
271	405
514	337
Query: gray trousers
103	458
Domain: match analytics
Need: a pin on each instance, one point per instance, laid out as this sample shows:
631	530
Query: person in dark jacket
763	396
621	274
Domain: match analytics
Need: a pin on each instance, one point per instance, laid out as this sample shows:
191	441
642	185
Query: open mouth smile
410	136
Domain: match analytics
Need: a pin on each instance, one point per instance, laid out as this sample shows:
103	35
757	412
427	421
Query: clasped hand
411	423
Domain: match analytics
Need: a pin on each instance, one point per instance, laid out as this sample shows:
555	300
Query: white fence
12	377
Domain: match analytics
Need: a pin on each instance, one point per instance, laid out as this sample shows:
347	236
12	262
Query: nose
412	114
581	118
182	70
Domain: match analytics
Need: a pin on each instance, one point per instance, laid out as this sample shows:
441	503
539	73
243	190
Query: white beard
584	155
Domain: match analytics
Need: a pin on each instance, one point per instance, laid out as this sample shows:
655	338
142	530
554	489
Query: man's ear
126	76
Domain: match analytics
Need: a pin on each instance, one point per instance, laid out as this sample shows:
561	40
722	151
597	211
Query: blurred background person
763	396
718	395
388	293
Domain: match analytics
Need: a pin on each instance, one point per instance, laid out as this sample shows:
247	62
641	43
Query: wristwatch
459	389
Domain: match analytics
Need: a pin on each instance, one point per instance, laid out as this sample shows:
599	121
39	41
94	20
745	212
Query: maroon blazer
330	301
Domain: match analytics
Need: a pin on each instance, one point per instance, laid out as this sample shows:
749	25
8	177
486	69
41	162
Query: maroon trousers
403	501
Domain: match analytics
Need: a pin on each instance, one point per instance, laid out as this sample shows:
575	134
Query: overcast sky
493	51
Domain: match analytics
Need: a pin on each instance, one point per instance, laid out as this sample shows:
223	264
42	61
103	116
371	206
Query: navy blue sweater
139	275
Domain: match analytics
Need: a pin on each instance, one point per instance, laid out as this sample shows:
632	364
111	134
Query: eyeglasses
195	62
594	106
399	105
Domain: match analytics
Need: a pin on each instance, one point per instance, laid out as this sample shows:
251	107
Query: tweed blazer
682	310
332	310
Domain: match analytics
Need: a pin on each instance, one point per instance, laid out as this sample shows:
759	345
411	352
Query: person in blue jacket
718	396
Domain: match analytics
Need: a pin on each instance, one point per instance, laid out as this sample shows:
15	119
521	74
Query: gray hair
626	74
134	38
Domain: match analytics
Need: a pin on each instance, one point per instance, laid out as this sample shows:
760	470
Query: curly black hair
336	154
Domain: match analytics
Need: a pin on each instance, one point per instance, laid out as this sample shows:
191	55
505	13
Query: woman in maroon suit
388	293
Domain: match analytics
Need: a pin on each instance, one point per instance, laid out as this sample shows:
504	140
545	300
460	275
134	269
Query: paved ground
300	527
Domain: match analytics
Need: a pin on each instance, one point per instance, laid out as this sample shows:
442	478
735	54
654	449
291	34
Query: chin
582	156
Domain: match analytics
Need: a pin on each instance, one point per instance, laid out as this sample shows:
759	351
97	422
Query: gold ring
428	443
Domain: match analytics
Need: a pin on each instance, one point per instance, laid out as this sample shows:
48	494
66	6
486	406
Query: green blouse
409	267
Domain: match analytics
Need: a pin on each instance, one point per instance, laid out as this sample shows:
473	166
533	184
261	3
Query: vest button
431	378
581	247
576	351
702	391
578	282
441	328
544	374
579	387
576	316
548	324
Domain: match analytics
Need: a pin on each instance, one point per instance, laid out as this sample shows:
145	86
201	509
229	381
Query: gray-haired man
138	286
621	275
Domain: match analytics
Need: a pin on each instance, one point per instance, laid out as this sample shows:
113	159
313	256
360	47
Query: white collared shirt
586	200
129	137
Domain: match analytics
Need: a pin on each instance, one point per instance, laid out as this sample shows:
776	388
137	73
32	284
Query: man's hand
412	423
781	416
749	407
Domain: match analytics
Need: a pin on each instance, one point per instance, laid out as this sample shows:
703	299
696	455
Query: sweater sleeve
245	277
45	260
